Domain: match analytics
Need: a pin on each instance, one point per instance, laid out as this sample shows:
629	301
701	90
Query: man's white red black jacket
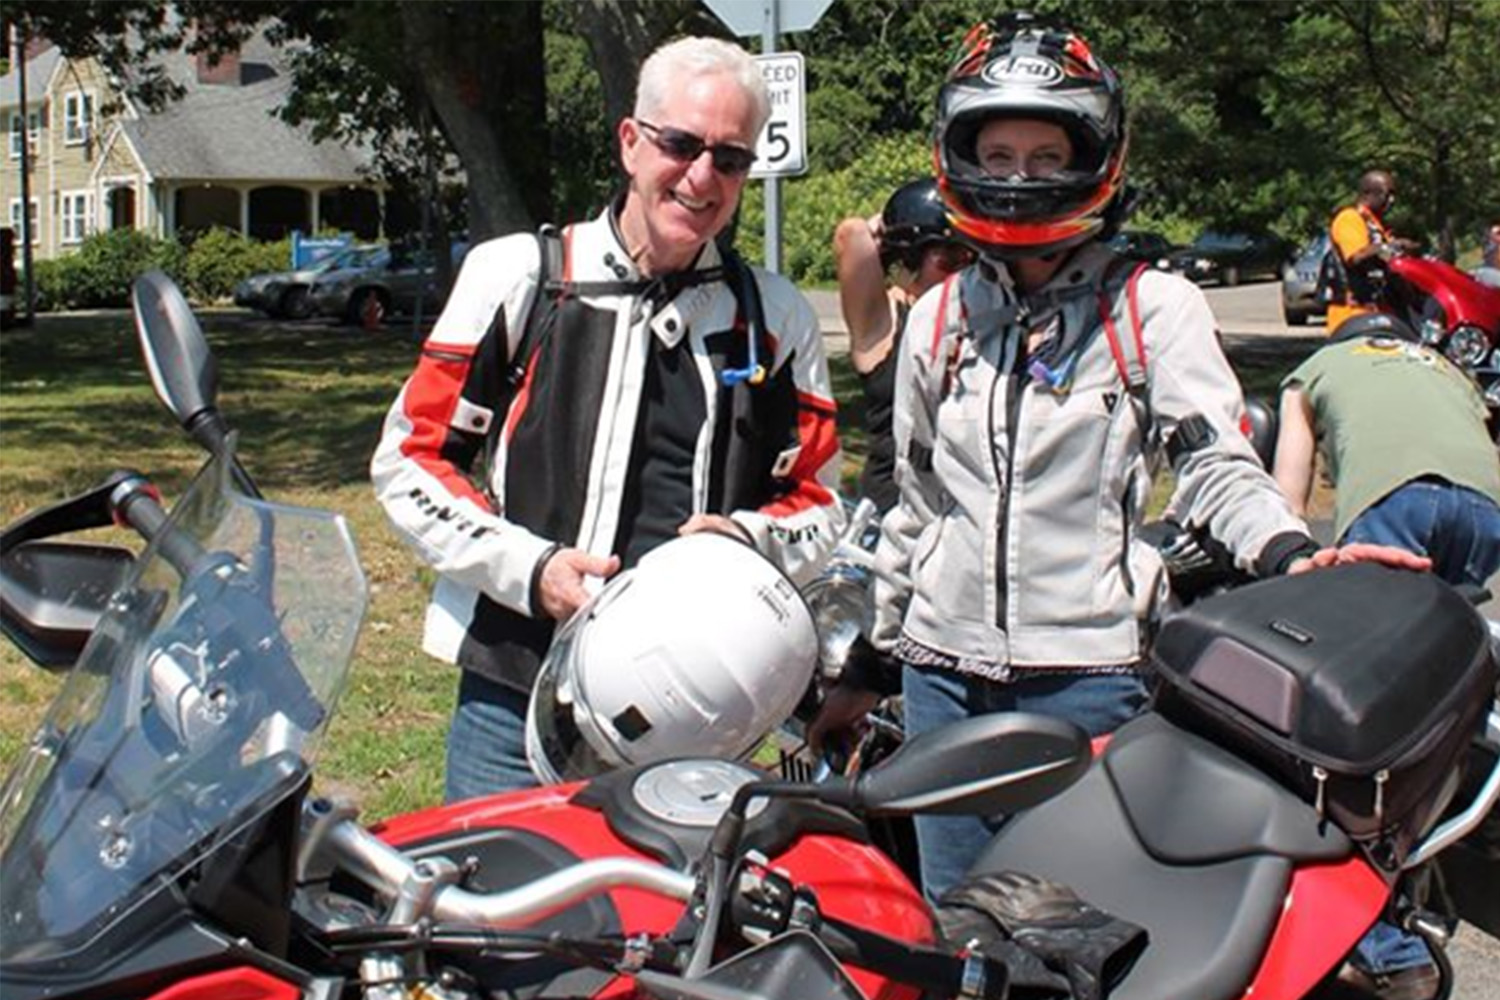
1014	544
767	455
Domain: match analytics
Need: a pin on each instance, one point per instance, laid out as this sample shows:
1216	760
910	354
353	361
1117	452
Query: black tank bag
1358	687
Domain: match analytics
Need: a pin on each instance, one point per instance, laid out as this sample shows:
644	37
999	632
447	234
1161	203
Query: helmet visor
556	748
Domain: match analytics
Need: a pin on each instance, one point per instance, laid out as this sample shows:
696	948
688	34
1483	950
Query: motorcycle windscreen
202	689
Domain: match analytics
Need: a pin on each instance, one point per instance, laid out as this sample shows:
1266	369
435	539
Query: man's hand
843	708
1360	552
561	589
717	523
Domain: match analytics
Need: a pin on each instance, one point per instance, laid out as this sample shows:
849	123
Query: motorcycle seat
1175	834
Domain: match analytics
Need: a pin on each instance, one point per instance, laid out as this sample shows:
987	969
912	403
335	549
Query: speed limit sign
781	150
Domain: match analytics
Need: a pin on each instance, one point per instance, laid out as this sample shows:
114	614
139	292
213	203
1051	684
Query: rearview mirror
997	763
182	367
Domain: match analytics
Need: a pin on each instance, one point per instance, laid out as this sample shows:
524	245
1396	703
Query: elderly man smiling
590	394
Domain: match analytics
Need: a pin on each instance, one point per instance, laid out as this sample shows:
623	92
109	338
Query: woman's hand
1360	552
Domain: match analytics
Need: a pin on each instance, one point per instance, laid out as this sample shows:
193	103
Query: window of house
35	120
78	117
15	219
76	218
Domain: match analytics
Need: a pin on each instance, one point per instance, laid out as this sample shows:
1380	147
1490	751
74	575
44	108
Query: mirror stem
725	844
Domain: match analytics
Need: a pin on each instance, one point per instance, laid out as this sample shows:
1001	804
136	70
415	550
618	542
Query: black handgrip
134	503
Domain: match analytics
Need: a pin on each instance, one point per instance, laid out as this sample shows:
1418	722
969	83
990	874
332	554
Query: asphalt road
1245	311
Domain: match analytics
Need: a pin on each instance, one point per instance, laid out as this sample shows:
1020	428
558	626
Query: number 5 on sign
781	150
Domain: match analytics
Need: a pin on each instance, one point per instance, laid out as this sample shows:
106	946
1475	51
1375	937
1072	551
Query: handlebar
391	874
135	503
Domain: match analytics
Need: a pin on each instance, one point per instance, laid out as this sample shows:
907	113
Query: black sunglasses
685	147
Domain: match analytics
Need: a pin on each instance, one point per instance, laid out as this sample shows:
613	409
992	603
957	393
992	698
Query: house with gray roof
217	156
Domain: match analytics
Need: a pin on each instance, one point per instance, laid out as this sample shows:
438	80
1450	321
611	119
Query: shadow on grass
308	399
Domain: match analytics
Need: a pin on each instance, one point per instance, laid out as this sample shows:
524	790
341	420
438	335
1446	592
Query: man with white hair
587	395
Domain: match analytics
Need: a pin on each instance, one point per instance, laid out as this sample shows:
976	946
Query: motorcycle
159	838
1453	312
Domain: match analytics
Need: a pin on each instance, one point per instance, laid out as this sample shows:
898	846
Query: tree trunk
620	40
622	33
490	103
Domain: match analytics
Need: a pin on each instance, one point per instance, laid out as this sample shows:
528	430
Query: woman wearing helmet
1036	393
912	244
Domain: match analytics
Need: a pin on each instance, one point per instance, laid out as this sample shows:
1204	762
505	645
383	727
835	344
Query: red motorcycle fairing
1464	301
854	882
1328	909
239	983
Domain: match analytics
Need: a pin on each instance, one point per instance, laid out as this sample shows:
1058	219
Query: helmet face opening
1023	70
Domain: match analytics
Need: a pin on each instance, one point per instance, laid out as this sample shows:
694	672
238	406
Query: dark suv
1142	245
1230	258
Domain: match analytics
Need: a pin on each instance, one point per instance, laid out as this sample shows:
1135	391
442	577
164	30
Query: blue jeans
1459	530
487	741
948	845
1455	526
1387	948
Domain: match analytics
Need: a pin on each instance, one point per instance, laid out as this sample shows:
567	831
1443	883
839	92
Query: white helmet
698	651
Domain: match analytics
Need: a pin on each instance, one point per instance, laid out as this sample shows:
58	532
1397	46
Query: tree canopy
1256	115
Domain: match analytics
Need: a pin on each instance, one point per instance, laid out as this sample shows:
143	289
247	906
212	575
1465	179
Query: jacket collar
597	253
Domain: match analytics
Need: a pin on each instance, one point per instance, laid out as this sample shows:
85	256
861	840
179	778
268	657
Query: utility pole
20	43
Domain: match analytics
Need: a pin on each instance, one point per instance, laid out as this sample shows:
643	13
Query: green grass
308	400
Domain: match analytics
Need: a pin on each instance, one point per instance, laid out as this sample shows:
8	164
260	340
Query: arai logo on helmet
1033	71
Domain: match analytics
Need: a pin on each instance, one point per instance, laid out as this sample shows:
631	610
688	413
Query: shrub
812	206
99	273
221	258
56	284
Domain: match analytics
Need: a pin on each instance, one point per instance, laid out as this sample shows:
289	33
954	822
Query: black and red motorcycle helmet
1023	67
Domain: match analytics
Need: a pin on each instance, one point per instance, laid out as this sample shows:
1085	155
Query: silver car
393	283
284	294
1299	283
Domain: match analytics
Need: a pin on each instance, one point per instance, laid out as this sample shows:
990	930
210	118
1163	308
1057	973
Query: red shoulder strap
1129	355
940	325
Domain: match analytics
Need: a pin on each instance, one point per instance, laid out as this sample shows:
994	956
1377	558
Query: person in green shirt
1402	432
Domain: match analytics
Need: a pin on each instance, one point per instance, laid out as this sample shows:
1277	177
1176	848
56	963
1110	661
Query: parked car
1230	258
1299	282
1142	245
284	294
390	285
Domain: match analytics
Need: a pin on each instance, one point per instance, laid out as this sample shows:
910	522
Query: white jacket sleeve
799	529
435	431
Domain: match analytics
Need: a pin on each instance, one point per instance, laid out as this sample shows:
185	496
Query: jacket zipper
1003	478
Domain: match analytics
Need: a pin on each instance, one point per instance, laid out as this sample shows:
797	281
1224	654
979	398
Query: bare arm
1296	444
862	293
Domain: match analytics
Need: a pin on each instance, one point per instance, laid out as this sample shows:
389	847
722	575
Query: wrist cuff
534	592
1281	551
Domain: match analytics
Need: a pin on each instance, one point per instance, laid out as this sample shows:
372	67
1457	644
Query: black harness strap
542	318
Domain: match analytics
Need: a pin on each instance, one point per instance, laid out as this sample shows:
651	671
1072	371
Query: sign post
781	149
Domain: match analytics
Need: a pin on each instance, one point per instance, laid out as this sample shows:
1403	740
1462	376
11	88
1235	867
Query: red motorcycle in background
159	839
1453	312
